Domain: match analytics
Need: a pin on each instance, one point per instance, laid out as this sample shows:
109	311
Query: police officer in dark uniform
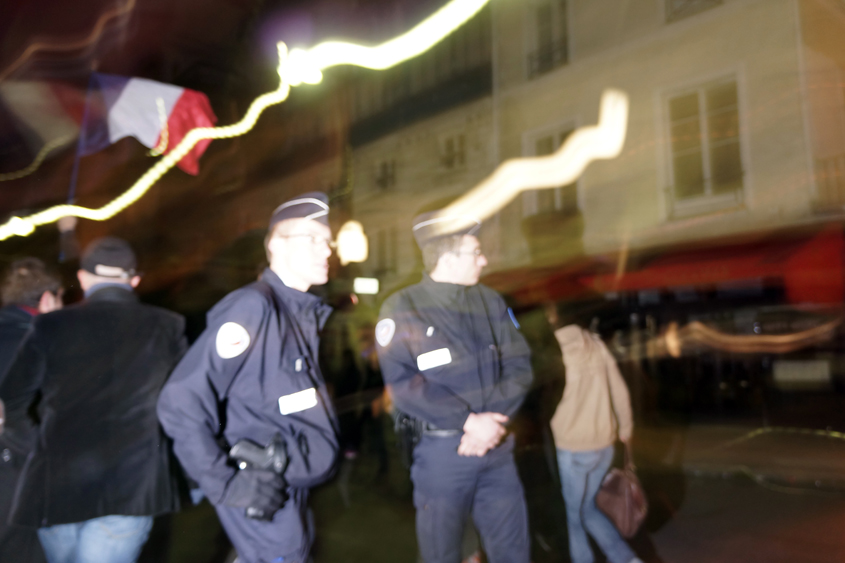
252	375
451	352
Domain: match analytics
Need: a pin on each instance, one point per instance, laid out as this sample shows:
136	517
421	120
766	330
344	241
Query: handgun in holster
409	431
273	457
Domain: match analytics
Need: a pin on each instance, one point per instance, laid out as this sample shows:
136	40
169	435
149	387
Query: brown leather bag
622	500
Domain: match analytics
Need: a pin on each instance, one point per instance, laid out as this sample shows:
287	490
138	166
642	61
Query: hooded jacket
595	405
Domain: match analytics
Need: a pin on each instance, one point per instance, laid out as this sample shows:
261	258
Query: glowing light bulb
352	244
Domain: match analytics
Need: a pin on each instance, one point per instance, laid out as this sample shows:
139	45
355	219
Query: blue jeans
109	539
581	474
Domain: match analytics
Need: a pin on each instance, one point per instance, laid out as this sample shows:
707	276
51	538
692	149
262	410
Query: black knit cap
434	224
311	205
109	257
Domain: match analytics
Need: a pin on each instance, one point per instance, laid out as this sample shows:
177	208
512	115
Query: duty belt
431	430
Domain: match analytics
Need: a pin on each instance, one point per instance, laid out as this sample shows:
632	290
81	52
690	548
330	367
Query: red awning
533	286
810	268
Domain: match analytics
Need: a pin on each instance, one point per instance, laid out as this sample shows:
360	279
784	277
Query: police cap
311	205
434	224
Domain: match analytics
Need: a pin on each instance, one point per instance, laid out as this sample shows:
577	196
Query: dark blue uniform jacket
212	402
488	367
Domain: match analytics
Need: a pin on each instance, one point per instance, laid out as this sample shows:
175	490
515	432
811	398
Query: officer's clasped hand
482	432
257	489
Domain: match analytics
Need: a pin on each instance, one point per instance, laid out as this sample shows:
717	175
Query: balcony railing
547	57
830	180
678	208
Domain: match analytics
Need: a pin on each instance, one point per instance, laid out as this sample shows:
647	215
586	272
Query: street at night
422	281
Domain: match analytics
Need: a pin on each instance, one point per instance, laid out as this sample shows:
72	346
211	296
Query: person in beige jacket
594	410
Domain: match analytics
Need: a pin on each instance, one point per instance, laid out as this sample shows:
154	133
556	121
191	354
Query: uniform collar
295	299
444	292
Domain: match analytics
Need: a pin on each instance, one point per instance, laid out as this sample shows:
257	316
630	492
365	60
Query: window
551	49
453	151
386	174
563	199
706	156
678	9
386	251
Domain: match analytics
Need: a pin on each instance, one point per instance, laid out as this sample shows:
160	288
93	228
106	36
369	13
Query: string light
93	37
39	158
295	68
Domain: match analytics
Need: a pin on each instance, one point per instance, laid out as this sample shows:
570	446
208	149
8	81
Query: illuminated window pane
706	157
726	168
689	175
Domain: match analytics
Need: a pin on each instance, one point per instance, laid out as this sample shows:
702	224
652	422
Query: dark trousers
448	488
285	539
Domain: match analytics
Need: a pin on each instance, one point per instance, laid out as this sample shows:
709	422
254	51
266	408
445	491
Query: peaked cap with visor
433	225
311	205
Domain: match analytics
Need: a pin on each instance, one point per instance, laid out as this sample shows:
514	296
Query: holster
408	430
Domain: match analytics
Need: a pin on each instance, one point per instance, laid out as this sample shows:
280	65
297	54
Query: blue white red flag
158	115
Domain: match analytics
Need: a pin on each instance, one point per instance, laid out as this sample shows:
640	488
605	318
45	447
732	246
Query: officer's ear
275	246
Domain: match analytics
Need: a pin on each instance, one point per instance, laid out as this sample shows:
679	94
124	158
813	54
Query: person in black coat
253	376
29	289
101	468
451	352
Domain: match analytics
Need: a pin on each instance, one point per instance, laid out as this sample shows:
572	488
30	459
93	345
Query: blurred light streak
159	149
39	158
306	66
697	333
586	144
295	68
92	38
365	286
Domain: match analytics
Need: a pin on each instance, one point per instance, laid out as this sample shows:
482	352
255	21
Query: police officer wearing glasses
251	383
451	351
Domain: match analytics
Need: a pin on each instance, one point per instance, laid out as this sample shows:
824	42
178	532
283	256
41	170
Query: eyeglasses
477	252
314	240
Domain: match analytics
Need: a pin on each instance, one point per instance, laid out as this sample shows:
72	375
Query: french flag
158	115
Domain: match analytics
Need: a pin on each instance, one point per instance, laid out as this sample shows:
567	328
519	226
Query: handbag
621	498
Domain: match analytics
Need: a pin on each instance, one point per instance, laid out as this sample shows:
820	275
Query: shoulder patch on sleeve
232	340
513	319
385	329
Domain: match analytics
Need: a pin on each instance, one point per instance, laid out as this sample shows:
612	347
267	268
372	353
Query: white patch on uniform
298	402
433	359
385	329
232	340
430	331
